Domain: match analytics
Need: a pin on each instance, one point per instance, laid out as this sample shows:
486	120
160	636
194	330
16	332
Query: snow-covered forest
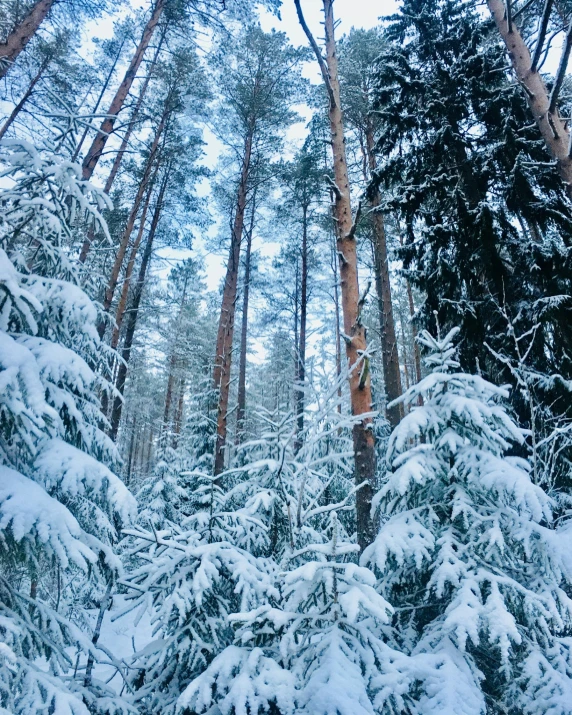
285	357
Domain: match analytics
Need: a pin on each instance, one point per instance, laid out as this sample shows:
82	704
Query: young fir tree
60	505
467	551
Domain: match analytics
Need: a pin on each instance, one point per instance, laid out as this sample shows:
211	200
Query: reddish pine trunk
21	35
136	109
122	304
134	313
354	330
86	246
100	97
98	144
28	93
223	357
122	249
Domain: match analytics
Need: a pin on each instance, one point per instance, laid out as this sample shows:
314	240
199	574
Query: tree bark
389	352
122	249
133	120
98	144
241	411
551	125
21	35
122	304
301	347
28	93
100	97
86	246
355	333
134	313
178	419
173	362
223	357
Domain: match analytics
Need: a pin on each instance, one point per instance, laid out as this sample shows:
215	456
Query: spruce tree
467	551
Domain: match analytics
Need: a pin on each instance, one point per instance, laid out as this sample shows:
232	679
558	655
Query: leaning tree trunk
21	35
551	125
354	330
27	94
86	246
134	314
98	144
223	357
389	352
122	249
122	303
241	410
99	98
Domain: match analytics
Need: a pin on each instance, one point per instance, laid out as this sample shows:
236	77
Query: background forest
285	359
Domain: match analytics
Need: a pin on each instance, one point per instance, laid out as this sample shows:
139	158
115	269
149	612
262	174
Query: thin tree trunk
122	304
132	451
178	421
134	313
120	256
100	97
416	352
173	361
551	125
301	348
86	246
355	334
133	120
21	35
389	352
98	144
103	606
8	123
241	411
223	357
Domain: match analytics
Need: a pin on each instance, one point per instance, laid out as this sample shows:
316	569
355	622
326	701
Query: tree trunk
120	256
301	347
98	144
8	123
178	420
241	411
122	304
132	451
551	125
100	97
355	333
21	35
223	357
133	314
389	352
136	109
86	246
